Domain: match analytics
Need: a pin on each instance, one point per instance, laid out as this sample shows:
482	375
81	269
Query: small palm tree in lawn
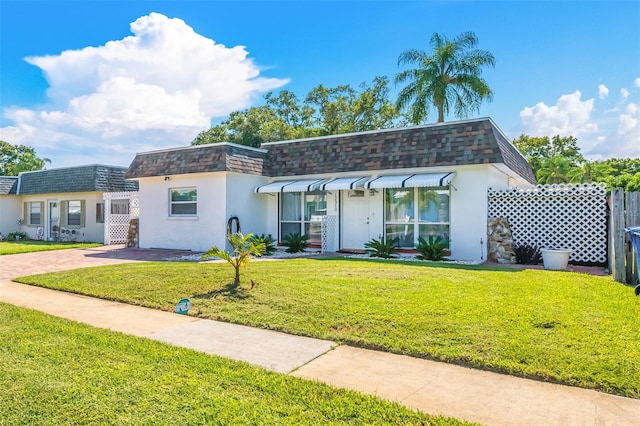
446	78
243	248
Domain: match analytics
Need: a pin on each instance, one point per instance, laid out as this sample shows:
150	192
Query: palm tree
446	78
244	247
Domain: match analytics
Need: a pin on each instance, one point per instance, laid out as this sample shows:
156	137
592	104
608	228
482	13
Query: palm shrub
432	249
243	248
268	241
526	254
295	243
382	248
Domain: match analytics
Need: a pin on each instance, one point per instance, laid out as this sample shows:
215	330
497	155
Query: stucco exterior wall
90	232
242	201
10	212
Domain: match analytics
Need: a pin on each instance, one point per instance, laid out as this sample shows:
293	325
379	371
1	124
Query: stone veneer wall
500	241
132	235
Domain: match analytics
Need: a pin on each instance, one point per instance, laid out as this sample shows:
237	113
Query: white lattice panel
328	233
116	226
557	216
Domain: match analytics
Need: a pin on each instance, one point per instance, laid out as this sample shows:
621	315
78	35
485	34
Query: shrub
295	243
432	249
526	254
382	248
268	241
18	235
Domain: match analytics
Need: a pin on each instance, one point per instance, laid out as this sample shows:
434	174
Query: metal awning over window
411	181
304	185
344	183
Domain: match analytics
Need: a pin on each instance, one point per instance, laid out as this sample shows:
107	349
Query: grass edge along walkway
57	371
562	327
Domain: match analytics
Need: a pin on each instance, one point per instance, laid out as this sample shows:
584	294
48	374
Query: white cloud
624	94
569	116
155	89
603	91
636	82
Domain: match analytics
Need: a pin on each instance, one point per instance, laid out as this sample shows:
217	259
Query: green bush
268	241
526	254
14	236
295	243
382	248
432	249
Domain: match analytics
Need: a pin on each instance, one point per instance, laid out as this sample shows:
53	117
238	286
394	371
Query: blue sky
97	81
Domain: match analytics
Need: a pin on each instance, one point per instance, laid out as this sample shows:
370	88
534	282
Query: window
302	213
73	212
416	212
74	209
99	212
119	206
34	216
183	202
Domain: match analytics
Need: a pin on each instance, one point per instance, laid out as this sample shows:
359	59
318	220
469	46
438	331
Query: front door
355	219
53	228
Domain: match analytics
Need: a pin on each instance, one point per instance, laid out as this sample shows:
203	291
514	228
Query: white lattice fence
557	216
328	231
119	209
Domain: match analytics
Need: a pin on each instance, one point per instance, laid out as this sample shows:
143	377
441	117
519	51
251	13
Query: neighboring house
64	203
9	205
405	183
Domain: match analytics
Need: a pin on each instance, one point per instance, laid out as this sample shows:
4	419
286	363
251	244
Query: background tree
324	111
537	150
19	158
446	78
559	160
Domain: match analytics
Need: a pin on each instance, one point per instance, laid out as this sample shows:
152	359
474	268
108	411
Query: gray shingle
76	179
8	185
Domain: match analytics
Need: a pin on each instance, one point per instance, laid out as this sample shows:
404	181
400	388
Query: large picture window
183	202
302	213
416	212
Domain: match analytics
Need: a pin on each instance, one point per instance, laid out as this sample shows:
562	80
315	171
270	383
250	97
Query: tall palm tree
554	170
446	78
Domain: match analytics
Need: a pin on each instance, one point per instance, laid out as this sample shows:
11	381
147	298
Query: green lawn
565	327
58	372
28	246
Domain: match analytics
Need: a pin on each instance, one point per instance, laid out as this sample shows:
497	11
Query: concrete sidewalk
432	387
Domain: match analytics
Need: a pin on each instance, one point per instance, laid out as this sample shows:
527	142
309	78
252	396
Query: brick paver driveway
16	265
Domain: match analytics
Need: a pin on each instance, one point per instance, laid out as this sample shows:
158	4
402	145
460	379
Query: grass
29	246
58	372
564	327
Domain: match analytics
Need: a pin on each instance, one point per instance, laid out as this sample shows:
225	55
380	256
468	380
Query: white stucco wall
10	212
91	232
220	196
242	201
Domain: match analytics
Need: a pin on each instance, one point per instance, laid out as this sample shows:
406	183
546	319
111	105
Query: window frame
183	202
30	205
415	221
305	221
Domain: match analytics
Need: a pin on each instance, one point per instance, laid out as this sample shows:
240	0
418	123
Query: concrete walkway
432	387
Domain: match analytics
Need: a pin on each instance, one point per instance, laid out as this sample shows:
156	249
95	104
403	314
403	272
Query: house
64	203
404	183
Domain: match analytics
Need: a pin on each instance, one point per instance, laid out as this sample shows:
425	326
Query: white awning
411	181
291	186
344	183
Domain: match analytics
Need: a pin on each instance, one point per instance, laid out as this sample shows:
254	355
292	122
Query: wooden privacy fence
625	213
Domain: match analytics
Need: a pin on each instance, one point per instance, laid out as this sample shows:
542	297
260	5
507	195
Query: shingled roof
445	144
94	178
8	185
437	145
219	157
